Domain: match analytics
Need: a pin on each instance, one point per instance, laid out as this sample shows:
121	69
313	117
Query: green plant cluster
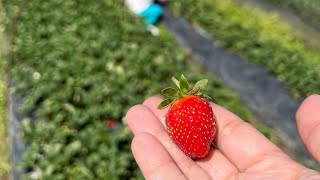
4	149
307	9
260	37
79	63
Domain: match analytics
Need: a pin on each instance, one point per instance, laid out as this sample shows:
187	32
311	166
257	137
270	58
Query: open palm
244	152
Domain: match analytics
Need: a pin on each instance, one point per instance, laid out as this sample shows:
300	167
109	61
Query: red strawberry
111	123
190	121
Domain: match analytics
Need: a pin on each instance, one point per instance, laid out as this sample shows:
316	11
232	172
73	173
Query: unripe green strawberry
190	121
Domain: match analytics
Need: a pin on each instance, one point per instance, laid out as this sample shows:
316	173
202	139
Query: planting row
4	149
308	9
260	37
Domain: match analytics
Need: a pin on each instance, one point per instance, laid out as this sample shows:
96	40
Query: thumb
308	124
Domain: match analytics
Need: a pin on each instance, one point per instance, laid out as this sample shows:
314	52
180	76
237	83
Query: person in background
148	10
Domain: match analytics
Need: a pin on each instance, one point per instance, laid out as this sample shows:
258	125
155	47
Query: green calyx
183	91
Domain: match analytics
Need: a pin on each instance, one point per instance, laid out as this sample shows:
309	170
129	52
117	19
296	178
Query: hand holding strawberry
245	152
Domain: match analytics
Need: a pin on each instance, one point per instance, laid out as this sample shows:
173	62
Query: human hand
245	152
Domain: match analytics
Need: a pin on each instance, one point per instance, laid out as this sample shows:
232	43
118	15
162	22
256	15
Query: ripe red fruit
111	123
190	121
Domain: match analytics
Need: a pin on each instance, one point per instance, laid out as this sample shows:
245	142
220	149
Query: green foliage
4	149
80	63
260	37
308	9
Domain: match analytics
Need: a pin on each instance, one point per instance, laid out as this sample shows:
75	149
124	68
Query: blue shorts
151	14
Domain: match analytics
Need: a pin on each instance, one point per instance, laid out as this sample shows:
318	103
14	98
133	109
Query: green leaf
175	81
194	91
165	103
184	85
200	84
170	92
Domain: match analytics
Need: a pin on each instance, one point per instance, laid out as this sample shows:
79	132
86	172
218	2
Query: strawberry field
260	37
79	64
